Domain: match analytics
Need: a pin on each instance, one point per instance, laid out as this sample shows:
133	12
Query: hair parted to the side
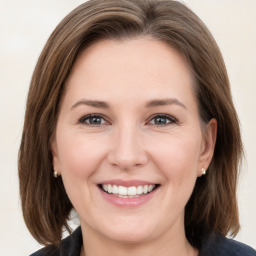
213	204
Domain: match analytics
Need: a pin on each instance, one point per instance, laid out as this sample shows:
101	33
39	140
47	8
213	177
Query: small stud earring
55	174
203	171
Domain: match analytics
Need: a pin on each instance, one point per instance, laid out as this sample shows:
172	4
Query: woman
130	121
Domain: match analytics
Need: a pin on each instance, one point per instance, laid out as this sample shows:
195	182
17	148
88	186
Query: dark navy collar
213	245
218	245
69	246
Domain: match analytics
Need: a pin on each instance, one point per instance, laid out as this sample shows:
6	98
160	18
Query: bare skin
130	116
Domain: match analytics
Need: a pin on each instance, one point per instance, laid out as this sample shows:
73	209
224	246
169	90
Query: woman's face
128	143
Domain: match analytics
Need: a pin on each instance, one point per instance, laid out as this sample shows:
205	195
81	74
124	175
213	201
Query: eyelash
86	118
168	120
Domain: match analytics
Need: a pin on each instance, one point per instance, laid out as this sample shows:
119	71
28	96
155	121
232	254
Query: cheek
178	160
79	156
179	152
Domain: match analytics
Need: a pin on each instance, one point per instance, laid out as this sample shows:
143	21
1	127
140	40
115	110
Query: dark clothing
69	246
218	245
214	245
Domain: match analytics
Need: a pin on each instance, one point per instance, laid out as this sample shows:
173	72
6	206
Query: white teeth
128	192
131	191
122	190
109	188
145	189
115	189
139	190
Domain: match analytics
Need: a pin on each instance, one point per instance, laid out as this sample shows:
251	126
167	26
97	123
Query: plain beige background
24	28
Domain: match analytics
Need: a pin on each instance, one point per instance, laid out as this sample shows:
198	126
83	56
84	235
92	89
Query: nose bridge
128	151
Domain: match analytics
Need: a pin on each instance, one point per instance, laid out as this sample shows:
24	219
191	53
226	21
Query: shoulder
217	244
71	245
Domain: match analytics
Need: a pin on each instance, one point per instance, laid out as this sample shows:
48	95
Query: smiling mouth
128	192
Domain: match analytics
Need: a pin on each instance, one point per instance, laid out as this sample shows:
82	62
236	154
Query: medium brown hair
213	204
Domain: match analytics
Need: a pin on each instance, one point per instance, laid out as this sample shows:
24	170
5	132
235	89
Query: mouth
128	192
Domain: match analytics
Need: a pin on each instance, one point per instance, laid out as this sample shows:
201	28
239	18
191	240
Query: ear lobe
208	145
55	158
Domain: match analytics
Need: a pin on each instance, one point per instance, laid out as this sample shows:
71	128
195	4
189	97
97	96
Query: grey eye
162	120
92	120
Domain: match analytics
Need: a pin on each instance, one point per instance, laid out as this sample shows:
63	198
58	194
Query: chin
130	236
130	231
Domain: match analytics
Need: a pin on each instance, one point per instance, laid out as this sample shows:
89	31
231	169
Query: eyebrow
164	102
150	104
92	103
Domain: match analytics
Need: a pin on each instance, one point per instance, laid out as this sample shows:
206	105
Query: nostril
128	161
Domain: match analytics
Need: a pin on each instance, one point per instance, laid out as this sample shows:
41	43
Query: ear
208	145
55	157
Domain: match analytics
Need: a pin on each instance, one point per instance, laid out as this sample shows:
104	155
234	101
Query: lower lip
128	202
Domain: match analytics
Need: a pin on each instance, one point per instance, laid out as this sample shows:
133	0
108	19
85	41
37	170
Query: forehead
130	66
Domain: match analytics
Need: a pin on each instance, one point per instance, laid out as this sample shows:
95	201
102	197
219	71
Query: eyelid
172	119
86	117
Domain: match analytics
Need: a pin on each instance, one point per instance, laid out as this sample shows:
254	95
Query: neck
170	244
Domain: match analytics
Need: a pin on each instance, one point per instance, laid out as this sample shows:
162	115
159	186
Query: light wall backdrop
24	28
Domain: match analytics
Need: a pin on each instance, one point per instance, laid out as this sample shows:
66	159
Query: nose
127	151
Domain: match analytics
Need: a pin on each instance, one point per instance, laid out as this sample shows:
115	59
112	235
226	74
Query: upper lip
127	183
